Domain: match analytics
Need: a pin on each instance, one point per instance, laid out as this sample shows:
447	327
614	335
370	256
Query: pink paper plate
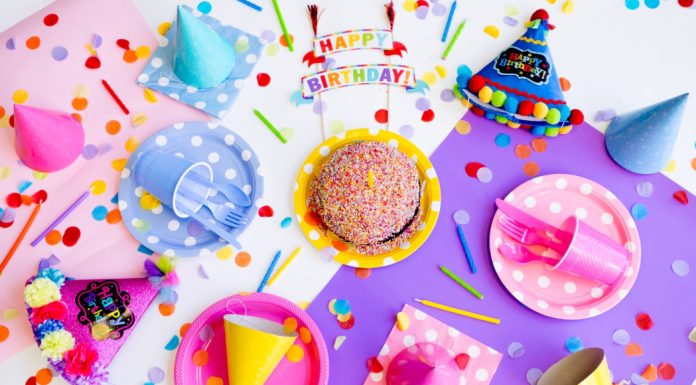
555	294
207	333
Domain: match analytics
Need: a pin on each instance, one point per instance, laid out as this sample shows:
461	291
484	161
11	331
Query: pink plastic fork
528	235
520	254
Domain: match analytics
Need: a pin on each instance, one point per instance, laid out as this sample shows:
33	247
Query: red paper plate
205	338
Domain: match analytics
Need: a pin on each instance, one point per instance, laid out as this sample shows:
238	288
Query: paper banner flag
520	87
381	39
642	141
80	325
46	140
362	74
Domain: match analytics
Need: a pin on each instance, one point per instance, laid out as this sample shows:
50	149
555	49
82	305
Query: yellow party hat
586	367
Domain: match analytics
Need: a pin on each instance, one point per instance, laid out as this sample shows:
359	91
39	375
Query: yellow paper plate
329	244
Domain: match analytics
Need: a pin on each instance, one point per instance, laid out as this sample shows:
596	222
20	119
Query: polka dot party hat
81	324
46	140
520	87
642	141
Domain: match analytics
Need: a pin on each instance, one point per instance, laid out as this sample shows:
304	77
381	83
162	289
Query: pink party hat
80	325
47	140
424	363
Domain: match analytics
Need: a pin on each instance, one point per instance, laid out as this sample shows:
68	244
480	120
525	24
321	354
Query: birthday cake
368	195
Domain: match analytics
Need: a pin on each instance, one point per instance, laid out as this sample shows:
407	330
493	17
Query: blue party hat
520	87
642	141
202	58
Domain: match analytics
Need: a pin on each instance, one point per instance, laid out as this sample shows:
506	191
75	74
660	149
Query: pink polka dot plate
206	338
553	198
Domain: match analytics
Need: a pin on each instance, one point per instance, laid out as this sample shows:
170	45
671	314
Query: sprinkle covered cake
368	195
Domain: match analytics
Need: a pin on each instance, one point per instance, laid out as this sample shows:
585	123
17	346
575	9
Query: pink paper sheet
103	250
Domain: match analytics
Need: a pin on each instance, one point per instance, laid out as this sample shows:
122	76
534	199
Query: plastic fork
520	254
226	215
528	235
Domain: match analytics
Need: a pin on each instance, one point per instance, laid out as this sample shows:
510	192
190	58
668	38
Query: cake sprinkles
368	195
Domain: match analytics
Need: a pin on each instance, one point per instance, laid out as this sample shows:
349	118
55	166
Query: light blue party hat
202	58
642	141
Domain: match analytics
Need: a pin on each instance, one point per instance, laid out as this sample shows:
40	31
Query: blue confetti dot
342	306
285	222
502	140
23	186
621	337
172	344
652	4
99	213
515	350
59	53
573	344
204	7
639	211
632	4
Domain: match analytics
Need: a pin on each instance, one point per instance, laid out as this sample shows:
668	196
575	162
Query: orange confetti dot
130	56
283	42
565	83
531	168
2	112
113	127
167	309
362	272
200	357
242	259
44	376
76	116
79	103
26	200
295	354
693	163
539	144
305	335
184	328
633	349
523	151
338	245
53	237
214	381
113	216
4	333
650	373
33	42
290	325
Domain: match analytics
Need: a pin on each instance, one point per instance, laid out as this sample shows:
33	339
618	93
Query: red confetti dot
373	365
382	116
12	120
363	272
266	211
51	19
423	3
123	43
14	200
428	116
643	321
93	62
263	79
462	360
348	324
666	371
39	196
5	225
472	168
31	381
681	197
686	3
71	236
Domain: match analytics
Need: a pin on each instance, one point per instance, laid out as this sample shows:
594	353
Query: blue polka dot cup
173	180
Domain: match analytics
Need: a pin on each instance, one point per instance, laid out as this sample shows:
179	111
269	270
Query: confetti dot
166	309
338	342
59	53
113	127
33	42
643	321
295	354
242	259
472	168
492	31
502	140
305	335
163	28
50	20
44	376
523	151
422	104
621	337
53	237
652	4
342	306
206	333
533	376
155	375
172	344
71	236
20	96
407	131
130	56
200	357
573	344
92	62
565	84
285	223
463	127
539	144
680	267
639	211
347	324
382	116
4	333
14	200
99	213
430	78
644	189
113	217
515	350
484	175
142	52
428	116
266	211
263	79
531	168
283	42
461	217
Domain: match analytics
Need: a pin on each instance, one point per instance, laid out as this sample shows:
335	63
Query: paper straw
454	310
115	97
465	246
270	126
60	218
454	40
449	21
283	26
251	5
283	266
460	281
20	237
269	271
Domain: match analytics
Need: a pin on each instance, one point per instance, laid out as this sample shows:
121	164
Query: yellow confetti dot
463	127
10	314
38	175
131	144
336	127
402	321
344	317
98	187
441	70
290	325
430	78
552	1
138	119
5	121
20	96
492	30
224	253
163	28
295	354
214	381
150	96
5	172
568	7
119	164
80	91
305	335
331	306
410	5
91	50
671	166
149	201
142	52
272	49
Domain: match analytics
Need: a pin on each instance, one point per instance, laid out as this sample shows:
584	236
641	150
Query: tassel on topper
162	275
314	15
390	14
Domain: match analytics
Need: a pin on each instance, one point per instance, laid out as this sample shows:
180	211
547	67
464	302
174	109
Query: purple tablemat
667	233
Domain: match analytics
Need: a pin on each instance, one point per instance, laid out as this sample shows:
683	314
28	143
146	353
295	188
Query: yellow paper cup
255	346
586	367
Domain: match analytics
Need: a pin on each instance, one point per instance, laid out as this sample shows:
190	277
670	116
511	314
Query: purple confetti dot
268	36
484	175
96	41
407	131
512	22
10	44
680	267
644	189
605	115
155	375
447	95
203	272
328	63
515	350
533	375
461	217
439	9
104	148
422	104
319	107
59	53
207	333
8	215
89	151
621	337
194	229
422	12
